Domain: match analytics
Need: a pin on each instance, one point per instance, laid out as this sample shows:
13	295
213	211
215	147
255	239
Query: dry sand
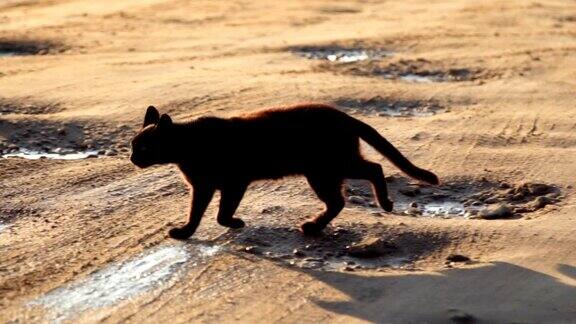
86	240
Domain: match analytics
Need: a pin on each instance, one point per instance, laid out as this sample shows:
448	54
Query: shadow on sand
497	293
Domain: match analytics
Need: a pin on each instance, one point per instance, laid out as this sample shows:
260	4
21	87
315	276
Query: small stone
540	202
504	185
410	192
491	200
457	258
357	200
298	253
252	250
438	196
471	213
371	248
413	211
414	204
348	268
460	317
500	211
272	209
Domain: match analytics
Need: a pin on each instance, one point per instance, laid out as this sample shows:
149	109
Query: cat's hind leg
231	195
329	190
373	172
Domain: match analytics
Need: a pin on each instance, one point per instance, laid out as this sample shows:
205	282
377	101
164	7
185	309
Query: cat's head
152	143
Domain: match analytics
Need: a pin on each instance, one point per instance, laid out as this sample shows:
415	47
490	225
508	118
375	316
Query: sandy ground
86	240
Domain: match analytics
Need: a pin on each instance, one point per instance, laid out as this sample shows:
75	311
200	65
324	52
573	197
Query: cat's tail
374	139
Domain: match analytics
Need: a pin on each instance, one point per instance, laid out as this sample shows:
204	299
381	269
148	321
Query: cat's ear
152	116
165	121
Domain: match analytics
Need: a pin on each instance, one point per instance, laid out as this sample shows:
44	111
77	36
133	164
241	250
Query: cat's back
315	115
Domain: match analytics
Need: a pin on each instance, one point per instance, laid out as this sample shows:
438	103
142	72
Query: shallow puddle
438	209
386	107
449	208
16	47
64	155
328	252
340	54
7	53
419	78
464	199
149	271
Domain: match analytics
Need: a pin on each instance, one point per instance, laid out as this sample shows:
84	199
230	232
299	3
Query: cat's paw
234	223
387	205
311	229
180	233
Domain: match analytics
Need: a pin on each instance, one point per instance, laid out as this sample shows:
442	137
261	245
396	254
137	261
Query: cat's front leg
201	197
230	198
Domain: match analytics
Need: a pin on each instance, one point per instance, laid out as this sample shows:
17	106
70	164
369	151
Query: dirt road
482	93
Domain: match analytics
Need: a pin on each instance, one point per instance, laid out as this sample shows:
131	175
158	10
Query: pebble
457	258
491	200
410	192
252	250
458	316
298	253
500	211
371	248
111	153
357	200
540	202
414	211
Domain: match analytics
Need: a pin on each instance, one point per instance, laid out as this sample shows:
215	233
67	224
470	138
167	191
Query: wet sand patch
346	247
58	154
339	10
342	54
413	70
388	107
458	198
15	47
149	272
37	138
22	107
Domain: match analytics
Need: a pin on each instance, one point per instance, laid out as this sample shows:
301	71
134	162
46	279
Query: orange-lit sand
503	105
